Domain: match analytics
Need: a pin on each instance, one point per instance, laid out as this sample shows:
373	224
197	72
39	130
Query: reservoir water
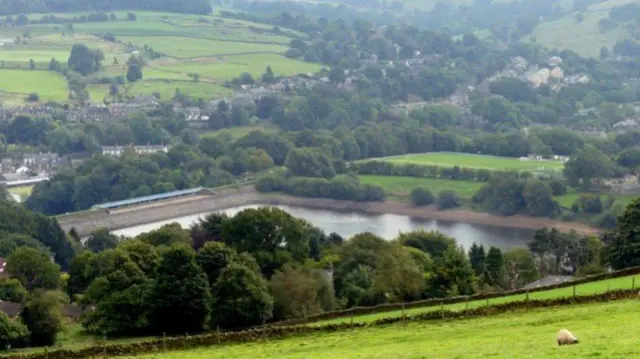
387	226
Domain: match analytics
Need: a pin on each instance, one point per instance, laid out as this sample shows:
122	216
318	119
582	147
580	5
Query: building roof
549	280
151	198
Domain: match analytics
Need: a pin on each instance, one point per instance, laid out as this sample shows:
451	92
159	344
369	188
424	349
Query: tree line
34	6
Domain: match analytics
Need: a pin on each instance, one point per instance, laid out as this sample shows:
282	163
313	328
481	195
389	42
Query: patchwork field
603	330
216	49
476	161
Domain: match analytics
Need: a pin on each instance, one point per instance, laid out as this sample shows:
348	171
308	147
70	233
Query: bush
11	290
293	53
447	199
558	188
42	316
271	183
421	196
12	333
33	97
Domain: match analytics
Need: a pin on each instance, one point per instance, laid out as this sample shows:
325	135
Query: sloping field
581	290
605	330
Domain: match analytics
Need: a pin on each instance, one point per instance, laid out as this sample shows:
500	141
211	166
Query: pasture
50	86
215	48
603	330
450	159
583	37
404	185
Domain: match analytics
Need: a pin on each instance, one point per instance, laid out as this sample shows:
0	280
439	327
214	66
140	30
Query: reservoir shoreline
87	221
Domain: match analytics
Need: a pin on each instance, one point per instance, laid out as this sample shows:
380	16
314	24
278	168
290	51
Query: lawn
605	330
229	67
475	161
241	131
396	184
582	289
186	47
49	85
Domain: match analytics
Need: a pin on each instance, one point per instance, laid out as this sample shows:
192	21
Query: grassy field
215	48
603	329
241	131
475	161
406	184
24	191
582	289
582	37
49	85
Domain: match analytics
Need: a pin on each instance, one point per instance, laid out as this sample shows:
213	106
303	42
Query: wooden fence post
574	291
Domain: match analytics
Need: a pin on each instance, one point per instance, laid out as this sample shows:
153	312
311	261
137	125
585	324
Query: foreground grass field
605	331
475	161
582	289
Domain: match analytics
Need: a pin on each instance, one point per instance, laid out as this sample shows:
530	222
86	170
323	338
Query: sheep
565	337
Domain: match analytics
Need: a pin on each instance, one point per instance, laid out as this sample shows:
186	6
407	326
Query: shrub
447	199
12	333
421	196
293	53
557	187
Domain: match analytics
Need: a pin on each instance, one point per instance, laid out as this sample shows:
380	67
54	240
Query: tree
447	199
542	244
433	242
589	163
494	267
33	268
54	65
521	268
32	64
296	292
539	198
84	60
268	76
180	297
101	240
477	258
397	275
240	299
131	16
213	258
452	275
604	53
421	196
113	90
134	72
624	246
309	162
42	316
270	234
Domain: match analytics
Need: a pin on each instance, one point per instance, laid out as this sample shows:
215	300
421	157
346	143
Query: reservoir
387	226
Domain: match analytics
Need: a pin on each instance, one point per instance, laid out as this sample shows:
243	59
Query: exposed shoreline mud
87	221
